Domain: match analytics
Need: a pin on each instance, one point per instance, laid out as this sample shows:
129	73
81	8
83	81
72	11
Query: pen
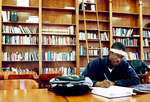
105	76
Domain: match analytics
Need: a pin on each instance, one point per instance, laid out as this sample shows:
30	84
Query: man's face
115	59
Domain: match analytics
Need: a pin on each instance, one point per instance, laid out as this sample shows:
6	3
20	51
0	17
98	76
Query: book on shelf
33	19
122	32
146	43
106	37
46	22
20	56
129	32
92	7
23	3
133	56
64	70
6	16
13	17
58	30
136	35
69	7
58	56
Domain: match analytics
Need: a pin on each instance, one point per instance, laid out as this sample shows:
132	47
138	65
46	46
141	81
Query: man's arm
130	78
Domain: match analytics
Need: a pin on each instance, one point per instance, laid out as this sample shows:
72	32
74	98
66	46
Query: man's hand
104	84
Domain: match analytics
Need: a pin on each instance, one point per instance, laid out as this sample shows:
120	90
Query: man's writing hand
104	84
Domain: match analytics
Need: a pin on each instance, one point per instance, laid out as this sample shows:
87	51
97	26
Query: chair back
18	84
1	77
28	72
147	78
20	76
44	79
7	73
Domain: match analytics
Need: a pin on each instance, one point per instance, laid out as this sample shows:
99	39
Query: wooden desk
96	98
31	95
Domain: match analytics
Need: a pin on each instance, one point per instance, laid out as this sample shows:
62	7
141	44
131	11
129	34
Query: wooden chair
147	77
1	77
7	73
28	72
50	72
20	76
18	84
44	79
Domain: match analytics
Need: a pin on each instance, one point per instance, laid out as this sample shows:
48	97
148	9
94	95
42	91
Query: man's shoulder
124	61
99	59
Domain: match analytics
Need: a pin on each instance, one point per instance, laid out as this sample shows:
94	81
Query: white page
112	91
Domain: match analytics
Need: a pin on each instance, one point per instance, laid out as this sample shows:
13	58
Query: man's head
117	53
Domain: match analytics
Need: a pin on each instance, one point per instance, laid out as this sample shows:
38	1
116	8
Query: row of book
122	32
146	33
19	39
64	70
82	51
132	56
16	69
8	16
97	52
14	29
146	42
146	56
127	41
104	36
88	35
105	50
58	30
20	56
58	56
56	40
94	51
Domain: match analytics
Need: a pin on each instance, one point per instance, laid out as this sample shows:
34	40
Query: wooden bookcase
93	22
145	21
57	15
23	14
108	15
126	15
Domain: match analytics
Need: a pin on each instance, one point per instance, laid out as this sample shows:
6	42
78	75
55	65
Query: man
112	70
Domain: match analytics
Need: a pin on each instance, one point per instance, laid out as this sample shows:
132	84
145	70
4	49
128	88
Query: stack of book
33	19
8	16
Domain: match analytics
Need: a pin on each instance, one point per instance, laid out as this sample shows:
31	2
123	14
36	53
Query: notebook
113	91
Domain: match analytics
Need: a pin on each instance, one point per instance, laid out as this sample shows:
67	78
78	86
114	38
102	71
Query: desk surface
96	98
31	95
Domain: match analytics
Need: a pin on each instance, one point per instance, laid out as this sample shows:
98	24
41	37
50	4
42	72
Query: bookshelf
57	22
126	20
61	15
19	38
145	29
107	18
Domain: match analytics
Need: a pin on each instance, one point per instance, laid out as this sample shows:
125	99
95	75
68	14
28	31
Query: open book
115	91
